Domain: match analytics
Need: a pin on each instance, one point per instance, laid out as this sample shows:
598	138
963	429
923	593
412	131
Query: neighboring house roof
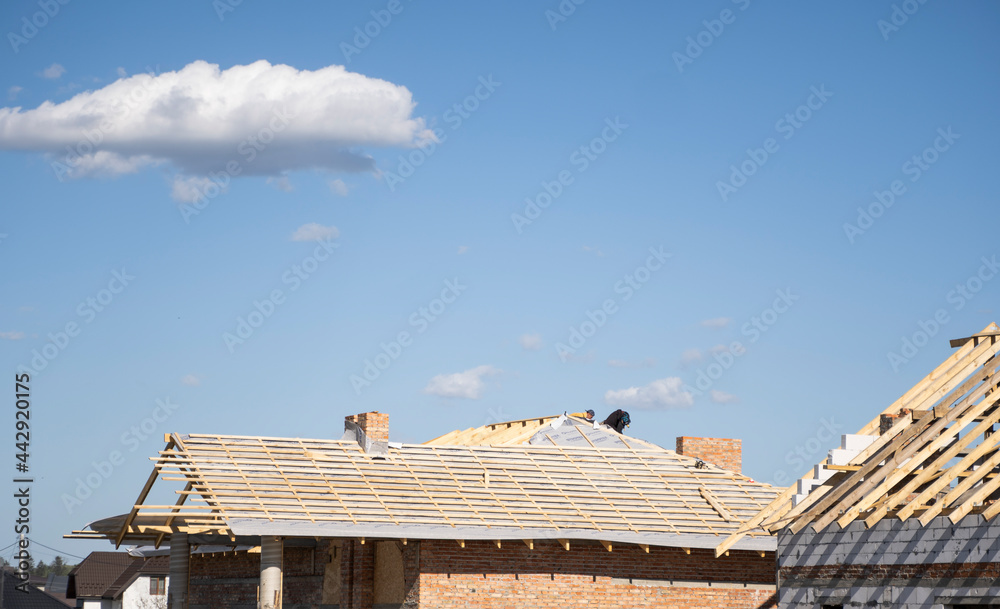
32	599
931	453
154	566
634	492
95	574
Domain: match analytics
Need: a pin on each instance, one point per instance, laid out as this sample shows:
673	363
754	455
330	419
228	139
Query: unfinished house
902	515
542	513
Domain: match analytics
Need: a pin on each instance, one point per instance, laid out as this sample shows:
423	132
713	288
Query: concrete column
177	587
270	572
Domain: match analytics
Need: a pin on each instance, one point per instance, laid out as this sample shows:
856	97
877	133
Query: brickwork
481	576
892	564
374	424
721	452
440	574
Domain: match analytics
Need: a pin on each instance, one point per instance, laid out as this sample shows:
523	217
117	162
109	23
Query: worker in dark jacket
618	420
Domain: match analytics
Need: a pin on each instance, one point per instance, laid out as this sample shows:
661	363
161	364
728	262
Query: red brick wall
375	425
481	576
721	452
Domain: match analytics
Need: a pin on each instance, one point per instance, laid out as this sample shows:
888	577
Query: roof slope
558	430
95	573
939	457
33	599
299	487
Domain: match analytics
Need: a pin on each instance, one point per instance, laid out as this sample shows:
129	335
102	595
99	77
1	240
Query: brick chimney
374	424
720	452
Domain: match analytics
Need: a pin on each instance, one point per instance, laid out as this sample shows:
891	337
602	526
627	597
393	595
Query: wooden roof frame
915	457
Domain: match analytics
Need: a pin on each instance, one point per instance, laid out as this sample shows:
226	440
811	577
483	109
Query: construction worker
618	420
587	416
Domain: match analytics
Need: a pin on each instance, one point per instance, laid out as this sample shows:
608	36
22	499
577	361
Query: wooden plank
715	504
917	460
142	497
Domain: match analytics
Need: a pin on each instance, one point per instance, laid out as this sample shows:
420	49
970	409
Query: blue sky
679	185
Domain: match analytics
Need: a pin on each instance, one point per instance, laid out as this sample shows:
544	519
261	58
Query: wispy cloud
463	249
191	380
467	385
530	342
721	397
12	335
54	71
338	187
596	251
13	91
649	362
691	356
662	394
315	232
717	322
193	188
121	72
281	183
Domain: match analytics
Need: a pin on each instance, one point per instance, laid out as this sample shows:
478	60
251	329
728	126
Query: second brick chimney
720	452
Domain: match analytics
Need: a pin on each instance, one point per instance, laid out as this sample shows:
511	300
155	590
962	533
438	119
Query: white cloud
191	380
13	91
281	183
121	72
719	349
661	394
468	384
721	397
268	118
530	342
717	322
192	189
649	362
315	232
12	335
587	248
338	188
463	249
53	71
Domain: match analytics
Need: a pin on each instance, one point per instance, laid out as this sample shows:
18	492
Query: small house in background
903	514
119	580
545	512
31	598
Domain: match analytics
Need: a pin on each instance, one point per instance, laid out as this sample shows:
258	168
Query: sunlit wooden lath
939	458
